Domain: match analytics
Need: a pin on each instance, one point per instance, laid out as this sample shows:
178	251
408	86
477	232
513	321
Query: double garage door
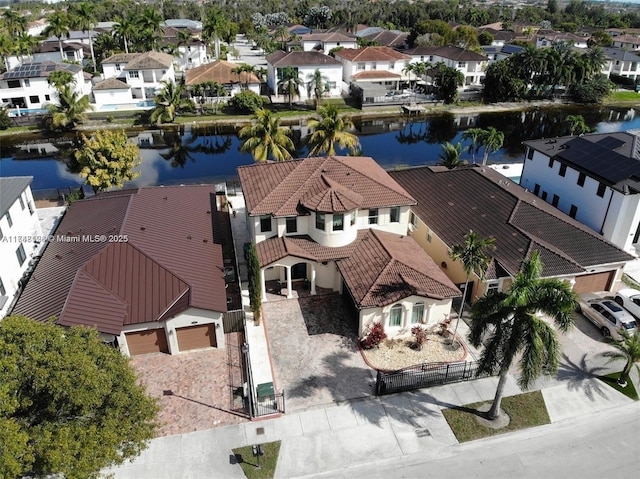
591	283
155	340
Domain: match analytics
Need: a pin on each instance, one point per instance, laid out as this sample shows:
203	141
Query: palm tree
60	78
577	125
473	134
513	328
168	102
125	29
214	27
409	70
289	83
59	27
265	139
330	130
247	70
105	45
6	47
83	18
492	140
282	35
14	22
450	155
23	45
475	260
183	37
70	110
627	349
317	86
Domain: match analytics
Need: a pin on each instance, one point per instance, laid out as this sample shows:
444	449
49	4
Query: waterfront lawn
623	96
249	463
524	410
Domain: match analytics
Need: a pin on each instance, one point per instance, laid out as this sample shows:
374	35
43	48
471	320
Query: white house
305	63
27	87
72	52
143	72
327	41
471	64
374	65
627	41
593	178
340	223
621	62
222	72
20	236
547	38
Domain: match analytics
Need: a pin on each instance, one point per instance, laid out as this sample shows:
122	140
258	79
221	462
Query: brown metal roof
386	267
452	202
371	54
279	189
169	263
219	71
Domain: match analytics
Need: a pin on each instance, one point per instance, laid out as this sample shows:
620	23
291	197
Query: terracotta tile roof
452	53
170	262
332	197
150	61
375	75
372	54
219	71
452	202
293	59
279	189
386	267
111	84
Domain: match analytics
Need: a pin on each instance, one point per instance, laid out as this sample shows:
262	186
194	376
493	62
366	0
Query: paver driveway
314	352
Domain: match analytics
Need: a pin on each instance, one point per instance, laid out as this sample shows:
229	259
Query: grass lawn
525	410
623	96
612	380
268	462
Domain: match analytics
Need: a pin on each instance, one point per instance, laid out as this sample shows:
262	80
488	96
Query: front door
299	271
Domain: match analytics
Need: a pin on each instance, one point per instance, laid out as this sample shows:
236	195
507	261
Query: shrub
420	336
5	121
374	336
246	102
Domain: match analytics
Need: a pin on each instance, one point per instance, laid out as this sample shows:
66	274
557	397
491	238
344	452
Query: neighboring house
112	92
547	38
387	38
36	27
471	64
20	236
593	178
340	223
626	41
133	265
381	66
500	37
191	54
453	202
73	52
144	72
327	41
27	87
500	53
222	72
621	62
306	63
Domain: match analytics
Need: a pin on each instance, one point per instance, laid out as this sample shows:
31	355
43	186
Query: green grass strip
268	462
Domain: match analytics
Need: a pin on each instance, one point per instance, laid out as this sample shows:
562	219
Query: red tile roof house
340	223
377	65
140	265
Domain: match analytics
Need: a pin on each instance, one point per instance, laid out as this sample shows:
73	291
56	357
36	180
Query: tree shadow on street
578	376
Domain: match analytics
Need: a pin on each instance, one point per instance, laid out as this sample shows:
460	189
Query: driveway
314	352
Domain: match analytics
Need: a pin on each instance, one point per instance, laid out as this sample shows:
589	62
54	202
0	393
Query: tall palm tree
282	35
69	111
329	130
59	27
14	22
492	140
473	134
23	45
450	155
6	47
409	70
214	27
124	30
317	86
475	260
183	38
265	139
168	102
247	70
105	45
627	349
289	83
83	18
60	78
511	324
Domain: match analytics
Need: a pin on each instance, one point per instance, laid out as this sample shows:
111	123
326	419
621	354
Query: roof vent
208	212
164	197
188	236
205	240
58	256
142	228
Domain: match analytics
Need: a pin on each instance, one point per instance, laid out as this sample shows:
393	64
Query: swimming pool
27	111
127	106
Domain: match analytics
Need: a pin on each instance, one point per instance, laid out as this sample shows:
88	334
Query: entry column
313	278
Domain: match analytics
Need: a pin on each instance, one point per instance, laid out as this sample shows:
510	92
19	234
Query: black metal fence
233	321
425	375
268	405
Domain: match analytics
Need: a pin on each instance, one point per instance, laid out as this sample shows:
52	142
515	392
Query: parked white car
606	314
629	299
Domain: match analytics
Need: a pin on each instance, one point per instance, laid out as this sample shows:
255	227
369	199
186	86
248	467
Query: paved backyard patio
315	357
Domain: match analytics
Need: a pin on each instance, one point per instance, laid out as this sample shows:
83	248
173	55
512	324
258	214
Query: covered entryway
196	337
146	342
590	283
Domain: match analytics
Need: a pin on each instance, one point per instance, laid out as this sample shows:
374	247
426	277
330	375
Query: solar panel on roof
610	142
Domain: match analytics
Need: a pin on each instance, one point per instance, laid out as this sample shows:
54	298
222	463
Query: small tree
255	284
375	335
246	101
107	159
69	404
450	155
628	350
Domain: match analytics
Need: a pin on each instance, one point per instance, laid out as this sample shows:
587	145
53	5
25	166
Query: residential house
26	87
471	64
547	38
374	66
627	41
450	203
143	72
340	223
305	63
133	265
20	236
621	62
387	38
222	72
327	41
500	53
593	178
72	52
190	54
500	37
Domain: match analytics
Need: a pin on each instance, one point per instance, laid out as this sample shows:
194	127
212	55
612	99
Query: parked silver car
606	314
629	299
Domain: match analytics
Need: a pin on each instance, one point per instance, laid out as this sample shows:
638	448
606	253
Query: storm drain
424	432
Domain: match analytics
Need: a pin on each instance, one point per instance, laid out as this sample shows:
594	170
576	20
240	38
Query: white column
263	286
572	283
429	312
289	287
313	278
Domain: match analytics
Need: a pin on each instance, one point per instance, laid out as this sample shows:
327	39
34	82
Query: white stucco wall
623	220
112	97
332	74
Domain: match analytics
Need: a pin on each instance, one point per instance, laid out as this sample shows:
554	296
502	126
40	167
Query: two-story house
26	86
374	66
73	52
327	41
547	38
471	64
593	178
386	38
222	72
626	41
20	236
306	64
621	62
340	223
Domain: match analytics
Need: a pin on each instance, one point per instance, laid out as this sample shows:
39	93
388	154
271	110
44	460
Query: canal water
194	154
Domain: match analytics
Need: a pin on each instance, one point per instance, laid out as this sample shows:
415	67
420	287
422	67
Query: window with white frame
7	215
413	219
134	74
429	235
21	202
27	83
374	65
118	67
493	286
292	225
392	65
21	255
265	224
360	66
320	221
373	216
338	222
417	313
395	315
353	218
394	214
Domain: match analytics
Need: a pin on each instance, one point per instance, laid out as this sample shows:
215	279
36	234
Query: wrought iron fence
268	405
425	375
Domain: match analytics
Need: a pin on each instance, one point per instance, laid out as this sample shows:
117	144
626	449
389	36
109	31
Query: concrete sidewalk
319	441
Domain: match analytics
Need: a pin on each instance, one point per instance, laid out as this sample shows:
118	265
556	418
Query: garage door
196	337
590	283
145	342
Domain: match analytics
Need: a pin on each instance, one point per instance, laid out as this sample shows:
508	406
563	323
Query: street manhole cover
423	432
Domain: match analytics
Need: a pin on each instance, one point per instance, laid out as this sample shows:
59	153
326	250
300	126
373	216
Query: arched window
395	316
417	314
